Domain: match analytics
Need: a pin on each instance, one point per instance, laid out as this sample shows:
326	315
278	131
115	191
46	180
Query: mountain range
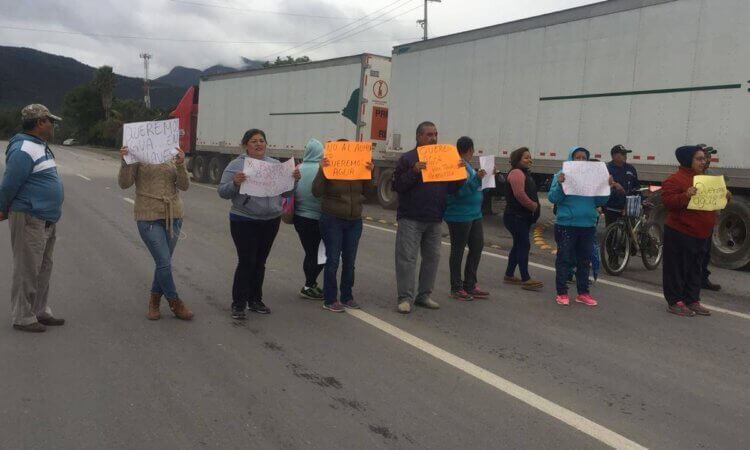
31	76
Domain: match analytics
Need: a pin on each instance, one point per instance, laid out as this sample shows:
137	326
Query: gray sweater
248	206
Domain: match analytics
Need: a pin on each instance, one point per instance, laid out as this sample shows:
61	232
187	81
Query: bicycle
630	234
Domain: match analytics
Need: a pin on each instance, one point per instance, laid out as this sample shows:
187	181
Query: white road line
600	280
84	177
129	200
568	417
202	185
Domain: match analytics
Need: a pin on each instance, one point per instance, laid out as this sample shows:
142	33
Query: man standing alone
421	207
31	197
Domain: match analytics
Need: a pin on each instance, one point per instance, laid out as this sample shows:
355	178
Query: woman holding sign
686	231
575	230
463	214
158	212
341	184
254	217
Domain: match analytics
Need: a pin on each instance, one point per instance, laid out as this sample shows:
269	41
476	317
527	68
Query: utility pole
146	83
423	22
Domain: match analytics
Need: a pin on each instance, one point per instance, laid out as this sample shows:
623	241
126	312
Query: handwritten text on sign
348	160
711	195
151	142
586	178
267	179
442	163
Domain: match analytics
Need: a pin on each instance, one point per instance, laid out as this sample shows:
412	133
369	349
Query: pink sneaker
562	299
587	300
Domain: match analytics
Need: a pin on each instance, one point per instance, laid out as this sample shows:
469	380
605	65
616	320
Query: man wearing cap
626	183
31	197
706	282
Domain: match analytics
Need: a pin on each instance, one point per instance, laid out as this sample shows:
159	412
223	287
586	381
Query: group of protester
330	211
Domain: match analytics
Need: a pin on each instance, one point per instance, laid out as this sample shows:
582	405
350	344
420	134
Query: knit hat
685	155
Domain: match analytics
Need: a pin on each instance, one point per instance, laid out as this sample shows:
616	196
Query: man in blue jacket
626	183
31	197
421	207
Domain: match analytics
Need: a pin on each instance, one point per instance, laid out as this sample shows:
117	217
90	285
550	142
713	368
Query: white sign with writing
586	178
151	142
487	163
267	179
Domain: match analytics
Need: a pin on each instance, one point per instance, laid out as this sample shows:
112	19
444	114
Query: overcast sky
201	33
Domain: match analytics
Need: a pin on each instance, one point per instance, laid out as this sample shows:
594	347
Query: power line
156	38
261	11
331	32
349	33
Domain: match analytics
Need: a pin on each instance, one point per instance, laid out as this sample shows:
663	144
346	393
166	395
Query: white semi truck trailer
649	74
342	98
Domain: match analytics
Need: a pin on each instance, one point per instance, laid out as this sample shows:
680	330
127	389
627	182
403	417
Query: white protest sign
322	253
151	142
586	178
487	163
267	179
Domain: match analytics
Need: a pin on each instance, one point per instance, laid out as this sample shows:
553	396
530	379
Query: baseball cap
619	148
37	111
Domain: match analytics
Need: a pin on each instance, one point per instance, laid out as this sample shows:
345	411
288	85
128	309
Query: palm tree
104	83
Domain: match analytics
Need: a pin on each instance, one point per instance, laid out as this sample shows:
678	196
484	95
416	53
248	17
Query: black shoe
710	286
259	307
51	321
238	314
35	327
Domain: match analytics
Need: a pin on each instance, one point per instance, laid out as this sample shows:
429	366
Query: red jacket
698	224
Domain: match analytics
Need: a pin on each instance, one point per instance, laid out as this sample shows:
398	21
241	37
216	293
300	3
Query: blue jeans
573	245
519	227
341	238
161	245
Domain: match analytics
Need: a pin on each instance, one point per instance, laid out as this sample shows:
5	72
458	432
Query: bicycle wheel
652	247
615	248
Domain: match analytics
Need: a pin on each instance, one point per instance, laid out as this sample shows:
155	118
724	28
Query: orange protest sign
347	160
442	163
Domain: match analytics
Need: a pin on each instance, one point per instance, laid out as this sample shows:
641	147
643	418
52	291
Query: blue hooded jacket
574	210
305	203
466	204
31	183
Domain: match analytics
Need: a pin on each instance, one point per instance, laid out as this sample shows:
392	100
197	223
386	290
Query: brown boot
180	310
153	307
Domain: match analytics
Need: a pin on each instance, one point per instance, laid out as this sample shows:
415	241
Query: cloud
231	24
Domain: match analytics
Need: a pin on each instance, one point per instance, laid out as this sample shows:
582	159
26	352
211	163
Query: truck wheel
731	238
215	169
200	168
387	197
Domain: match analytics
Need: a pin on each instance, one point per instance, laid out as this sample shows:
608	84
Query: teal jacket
466	204
305	203
574	210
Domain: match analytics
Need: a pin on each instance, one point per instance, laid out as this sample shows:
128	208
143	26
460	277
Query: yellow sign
712	193
442	163
348	160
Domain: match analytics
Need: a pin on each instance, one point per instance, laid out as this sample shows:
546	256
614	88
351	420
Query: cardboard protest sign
586	178
348	160
711	195
267	179
487	163
442	163
151	142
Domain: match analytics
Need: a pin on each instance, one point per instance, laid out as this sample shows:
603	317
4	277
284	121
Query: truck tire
215	168
200	168
387	197
731	239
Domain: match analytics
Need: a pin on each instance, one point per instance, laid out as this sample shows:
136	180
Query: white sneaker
427	303
404	307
